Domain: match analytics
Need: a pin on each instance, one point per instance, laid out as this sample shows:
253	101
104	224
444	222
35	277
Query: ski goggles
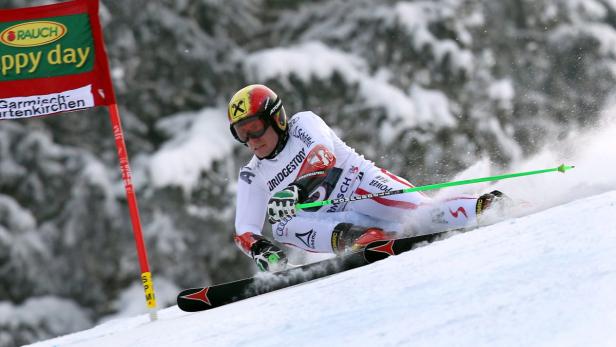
251	128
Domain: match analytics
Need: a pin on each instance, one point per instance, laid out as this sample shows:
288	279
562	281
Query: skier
300	159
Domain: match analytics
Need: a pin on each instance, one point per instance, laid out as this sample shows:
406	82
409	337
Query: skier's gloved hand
268	256
282	204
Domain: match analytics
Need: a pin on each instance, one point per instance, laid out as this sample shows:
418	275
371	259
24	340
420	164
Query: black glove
268	256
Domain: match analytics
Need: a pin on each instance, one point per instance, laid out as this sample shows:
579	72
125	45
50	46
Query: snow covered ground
546	279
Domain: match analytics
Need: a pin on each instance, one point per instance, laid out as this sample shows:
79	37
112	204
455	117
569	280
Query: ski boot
347	237
494	204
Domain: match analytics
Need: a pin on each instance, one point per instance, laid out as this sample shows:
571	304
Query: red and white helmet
257	101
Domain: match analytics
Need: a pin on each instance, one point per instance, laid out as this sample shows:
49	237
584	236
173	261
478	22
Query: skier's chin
261	151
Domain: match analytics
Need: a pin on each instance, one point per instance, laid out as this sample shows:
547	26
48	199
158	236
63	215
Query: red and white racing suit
311	139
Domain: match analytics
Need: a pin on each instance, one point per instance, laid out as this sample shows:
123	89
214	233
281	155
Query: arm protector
316	168
246	240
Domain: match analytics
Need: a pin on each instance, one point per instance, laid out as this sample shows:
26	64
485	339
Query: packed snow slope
545	279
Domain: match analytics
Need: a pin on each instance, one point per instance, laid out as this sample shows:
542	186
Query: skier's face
265	144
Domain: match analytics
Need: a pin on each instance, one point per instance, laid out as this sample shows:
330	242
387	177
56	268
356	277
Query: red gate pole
146	276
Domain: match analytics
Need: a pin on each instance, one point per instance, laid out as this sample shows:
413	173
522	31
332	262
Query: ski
380	250
205	298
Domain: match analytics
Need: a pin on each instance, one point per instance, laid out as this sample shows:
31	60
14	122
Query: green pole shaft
562	168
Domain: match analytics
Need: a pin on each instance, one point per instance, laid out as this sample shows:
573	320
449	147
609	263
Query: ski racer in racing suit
301	160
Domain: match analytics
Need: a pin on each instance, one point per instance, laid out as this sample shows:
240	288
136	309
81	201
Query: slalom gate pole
146	276
562	168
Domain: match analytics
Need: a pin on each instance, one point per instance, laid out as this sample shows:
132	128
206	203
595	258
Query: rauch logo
32	34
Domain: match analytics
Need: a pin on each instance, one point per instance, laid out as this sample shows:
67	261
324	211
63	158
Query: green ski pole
562	168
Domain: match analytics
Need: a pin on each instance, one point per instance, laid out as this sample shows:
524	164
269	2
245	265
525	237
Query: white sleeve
251	203
311	129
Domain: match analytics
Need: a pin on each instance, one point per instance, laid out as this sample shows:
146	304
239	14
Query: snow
502	92
16	216
129	304
433	105
542	279
199	138
545	279
590	9
41	312
307	60
404	108
416	18
592	153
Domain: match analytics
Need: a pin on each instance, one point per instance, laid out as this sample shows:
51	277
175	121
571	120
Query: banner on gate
52	60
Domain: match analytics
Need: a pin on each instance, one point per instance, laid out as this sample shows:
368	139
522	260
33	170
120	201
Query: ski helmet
258	101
